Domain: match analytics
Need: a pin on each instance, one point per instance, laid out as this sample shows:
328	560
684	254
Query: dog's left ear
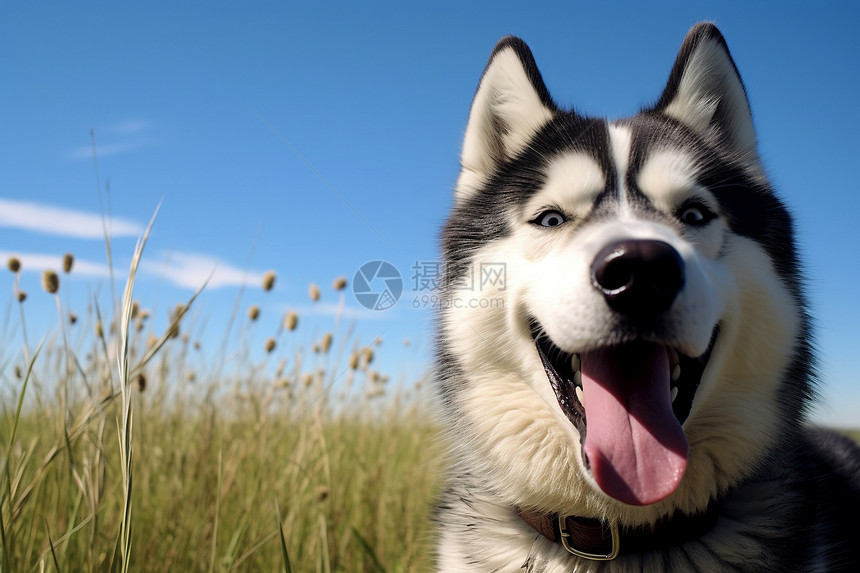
705	92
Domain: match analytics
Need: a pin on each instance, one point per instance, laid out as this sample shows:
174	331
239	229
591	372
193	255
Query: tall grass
123	450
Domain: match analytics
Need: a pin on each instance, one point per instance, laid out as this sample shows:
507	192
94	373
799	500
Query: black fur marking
483	217
746	199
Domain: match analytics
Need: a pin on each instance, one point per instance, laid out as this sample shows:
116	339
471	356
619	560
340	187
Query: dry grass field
127	449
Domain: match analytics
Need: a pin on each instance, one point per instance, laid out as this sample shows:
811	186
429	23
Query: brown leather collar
593	539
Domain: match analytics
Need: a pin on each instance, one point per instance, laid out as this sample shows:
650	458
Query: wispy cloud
122	137
52	220
117	148
38	262
128	127
191	270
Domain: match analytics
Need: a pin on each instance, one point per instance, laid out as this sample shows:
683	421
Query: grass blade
217	507
125	428
6	491
51	545
368	550
21	397
4	546
286	556
324	551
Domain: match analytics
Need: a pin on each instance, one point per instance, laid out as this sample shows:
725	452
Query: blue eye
550	219
695	215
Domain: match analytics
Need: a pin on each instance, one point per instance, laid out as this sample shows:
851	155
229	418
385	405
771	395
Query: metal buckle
613	531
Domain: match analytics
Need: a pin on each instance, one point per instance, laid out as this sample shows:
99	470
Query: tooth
579	395
577	379
674	393
575	364
676	372
673	357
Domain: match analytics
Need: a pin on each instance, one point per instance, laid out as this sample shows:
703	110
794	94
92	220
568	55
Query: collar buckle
613	531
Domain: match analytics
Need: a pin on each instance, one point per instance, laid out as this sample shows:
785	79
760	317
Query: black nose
638	277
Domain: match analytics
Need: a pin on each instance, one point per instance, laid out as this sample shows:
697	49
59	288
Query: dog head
647	345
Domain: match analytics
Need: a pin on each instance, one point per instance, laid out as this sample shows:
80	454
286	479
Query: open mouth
628	403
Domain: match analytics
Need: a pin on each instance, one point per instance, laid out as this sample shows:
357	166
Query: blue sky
311	139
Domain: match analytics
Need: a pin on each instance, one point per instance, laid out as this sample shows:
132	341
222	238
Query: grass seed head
321	492
269	280
291	320
325	344
353	360
141	382
14	264
68	262
73	318
254	312
50	282
270	344
367	355
22	296
175	317
339	283
100	331
314	292
178	311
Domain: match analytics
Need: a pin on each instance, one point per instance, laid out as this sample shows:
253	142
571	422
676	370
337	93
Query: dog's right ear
510	106
705	92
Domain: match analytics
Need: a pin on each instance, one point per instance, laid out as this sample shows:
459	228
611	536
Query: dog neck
597	540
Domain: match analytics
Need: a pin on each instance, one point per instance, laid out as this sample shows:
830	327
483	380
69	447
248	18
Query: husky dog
636	397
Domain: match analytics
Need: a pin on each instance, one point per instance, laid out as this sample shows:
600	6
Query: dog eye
550	219
695	215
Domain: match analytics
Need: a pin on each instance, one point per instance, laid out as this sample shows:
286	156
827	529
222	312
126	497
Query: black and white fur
789	494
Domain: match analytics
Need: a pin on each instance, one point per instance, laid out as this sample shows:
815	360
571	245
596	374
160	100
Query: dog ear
510	106
705	92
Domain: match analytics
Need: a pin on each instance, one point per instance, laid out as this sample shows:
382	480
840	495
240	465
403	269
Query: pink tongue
635	445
